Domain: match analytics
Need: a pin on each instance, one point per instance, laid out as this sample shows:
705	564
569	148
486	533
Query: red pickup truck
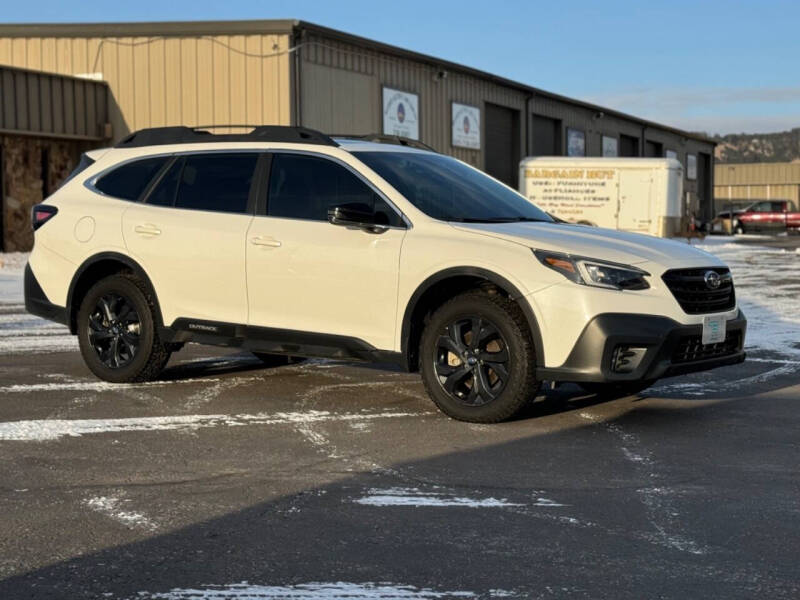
764	216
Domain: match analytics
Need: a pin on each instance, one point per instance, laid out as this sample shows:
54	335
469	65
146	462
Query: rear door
635	189
189	235
305	274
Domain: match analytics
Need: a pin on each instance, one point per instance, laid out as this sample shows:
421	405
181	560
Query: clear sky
721	66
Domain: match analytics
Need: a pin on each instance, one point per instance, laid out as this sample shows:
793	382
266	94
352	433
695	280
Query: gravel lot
326	480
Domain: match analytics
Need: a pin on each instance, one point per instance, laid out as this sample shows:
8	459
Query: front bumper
670	349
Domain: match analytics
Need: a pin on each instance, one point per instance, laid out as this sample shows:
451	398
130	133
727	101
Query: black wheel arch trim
481	273
137	269
37	303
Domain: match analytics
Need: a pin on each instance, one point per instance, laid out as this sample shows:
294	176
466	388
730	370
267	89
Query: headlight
588	271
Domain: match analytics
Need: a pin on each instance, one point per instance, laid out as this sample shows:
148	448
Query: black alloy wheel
472	361
117	330
114	328
477	359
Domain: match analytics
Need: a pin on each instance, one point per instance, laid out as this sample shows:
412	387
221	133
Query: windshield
446	189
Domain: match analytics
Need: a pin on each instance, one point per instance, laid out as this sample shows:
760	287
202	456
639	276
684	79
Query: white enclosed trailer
632	194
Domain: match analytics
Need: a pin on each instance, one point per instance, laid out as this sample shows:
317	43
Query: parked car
642	195
768	216
285	242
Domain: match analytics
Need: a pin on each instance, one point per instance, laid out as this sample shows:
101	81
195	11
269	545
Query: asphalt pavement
328	480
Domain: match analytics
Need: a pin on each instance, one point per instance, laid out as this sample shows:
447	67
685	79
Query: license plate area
713	329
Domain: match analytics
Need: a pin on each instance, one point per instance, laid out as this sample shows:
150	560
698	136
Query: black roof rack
382	138
157	136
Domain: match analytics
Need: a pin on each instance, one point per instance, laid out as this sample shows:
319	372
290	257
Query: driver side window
304	187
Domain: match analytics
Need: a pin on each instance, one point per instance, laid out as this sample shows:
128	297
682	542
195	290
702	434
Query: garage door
502	143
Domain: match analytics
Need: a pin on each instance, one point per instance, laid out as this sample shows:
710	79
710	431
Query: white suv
286	242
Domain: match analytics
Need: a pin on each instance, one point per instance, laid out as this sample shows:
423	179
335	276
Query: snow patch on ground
767	284
21	332
52	429
13	261
318	591
398	496
547	502
93	386
110	507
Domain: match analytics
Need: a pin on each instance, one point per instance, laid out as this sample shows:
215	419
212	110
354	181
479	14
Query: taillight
41	214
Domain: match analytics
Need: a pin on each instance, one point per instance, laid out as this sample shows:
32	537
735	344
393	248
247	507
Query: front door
189	236
305	274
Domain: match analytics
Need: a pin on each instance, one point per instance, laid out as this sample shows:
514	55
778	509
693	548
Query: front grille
693	293
691	348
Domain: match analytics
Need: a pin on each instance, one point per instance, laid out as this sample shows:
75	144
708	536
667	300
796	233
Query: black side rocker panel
276	341
37	303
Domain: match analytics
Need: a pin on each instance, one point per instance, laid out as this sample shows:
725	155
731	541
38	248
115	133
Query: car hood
595	242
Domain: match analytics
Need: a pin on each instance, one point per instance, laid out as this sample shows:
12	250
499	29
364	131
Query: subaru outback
286	242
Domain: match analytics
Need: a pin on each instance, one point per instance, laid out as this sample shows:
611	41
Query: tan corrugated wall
748	182
173	80
757	173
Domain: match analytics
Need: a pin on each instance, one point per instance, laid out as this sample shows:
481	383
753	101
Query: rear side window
304	187
165	190
130	180
216	182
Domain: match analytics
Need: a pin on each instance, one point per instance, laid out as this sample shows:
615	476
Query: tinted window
446	189
216	182
164	192
304	187
129	181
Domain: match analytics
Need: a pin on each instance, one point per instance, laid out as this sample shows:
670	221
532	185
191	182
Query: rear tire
477	359
117	331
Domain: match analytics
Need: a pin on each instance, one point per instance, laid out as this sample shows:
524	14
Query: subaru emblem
712	279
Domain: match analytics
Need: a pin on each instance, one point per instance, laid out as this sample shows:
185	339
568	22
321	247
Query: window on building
610	145
130	180
304	187
215	182
576	142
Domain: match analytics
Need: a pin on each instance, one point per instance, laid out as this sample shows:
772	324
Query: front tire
477	359
117	331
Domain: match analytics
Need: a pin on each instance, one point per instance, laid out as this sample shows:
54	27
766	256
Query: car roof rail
157	136
383	138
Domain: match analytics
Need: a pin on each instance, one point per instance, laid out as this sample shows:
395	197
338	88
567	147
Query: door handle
147	229
265	241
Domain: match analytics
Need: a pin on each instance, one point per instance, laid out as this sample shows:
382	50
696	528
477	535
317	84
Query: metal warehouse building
738	185
296	73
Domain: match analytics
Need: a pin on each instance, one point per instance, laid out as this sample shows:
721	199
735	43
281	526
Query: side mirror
358	215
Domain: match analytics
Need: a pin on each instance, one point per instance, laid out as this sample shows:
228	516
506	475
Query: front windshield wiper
499	220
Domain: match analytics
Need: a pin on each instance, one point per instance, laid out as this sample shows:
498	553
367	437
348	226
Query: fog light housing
626	359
